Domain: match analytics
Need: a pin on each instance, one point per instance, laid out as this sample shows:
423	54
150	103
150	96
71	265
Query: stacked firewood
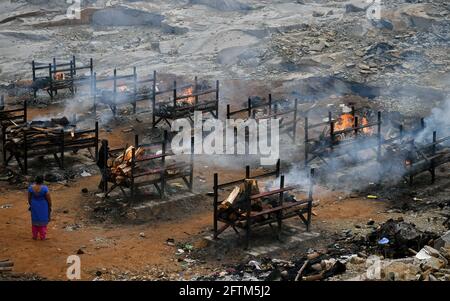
43	133
120	167
235	205
6	118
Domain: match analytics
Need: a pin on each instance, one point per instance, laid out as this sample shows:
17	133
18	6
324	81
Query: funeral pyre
41	132
120	167
47	137
183	103
412	157
146	162
235	205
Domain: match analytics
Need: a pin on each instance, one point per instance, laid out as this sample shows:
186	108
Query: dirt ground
125	249
110	248
117	247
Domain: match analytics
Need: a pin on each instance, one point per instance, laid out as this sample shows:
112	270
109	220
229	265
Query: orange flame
190	100
347	121
123	88
60	76
368	130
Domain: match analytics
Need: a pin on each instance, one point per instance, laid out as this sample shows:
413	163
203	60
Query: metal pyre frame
12	116
320	147
183	105
114	90
23	142
59	76
431	156
252	219
271	110
156	167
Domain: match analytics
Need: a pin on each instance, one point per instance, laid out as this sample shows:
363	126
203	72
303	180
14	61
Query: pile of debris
62	122
428	264
11	175
10	276
168	110
312	267
120	167
397	239
385	254
236	204
47	130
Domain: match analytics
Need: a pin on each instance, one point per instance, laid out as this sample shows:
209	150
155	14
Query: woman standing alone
40	206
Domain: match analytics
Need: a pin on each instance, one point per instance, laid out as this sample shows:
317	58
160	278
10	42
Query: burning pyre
42	132
348	121
59	76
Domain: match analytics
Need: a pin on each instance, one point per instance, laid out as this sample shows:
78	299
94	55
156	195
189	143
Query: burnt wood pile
425	156
41	138
181	101
141	165
259	109
350	133
345	134
55	76
246	207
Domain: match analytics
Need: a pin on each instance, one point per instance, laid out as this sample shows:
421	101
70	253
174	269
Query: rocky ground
323	52
403	50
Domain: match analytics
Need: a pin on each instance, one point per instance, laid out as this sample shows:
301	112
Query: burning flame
190	100
347	121
123	88
369	130
60	76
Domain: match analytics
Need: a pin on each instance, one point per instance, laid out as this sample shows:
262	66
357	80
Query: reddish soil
124	249
336	206
121	247
127	250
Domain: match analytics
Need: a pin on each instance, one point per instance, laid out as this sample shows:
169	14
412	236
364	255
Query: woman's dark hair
39	180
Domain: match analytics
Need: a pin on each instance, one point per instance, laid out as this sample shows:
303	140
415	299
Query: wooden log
229	201
300	272
414	252
313	277
6	264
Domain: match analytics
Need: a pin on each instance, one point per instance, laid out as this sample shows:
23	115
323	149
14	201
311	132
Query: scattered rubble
6	266
354	259
443	241
400	238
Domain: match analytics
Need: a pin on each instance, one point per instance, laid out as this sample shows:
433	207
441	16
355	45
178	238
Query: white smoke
438	121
